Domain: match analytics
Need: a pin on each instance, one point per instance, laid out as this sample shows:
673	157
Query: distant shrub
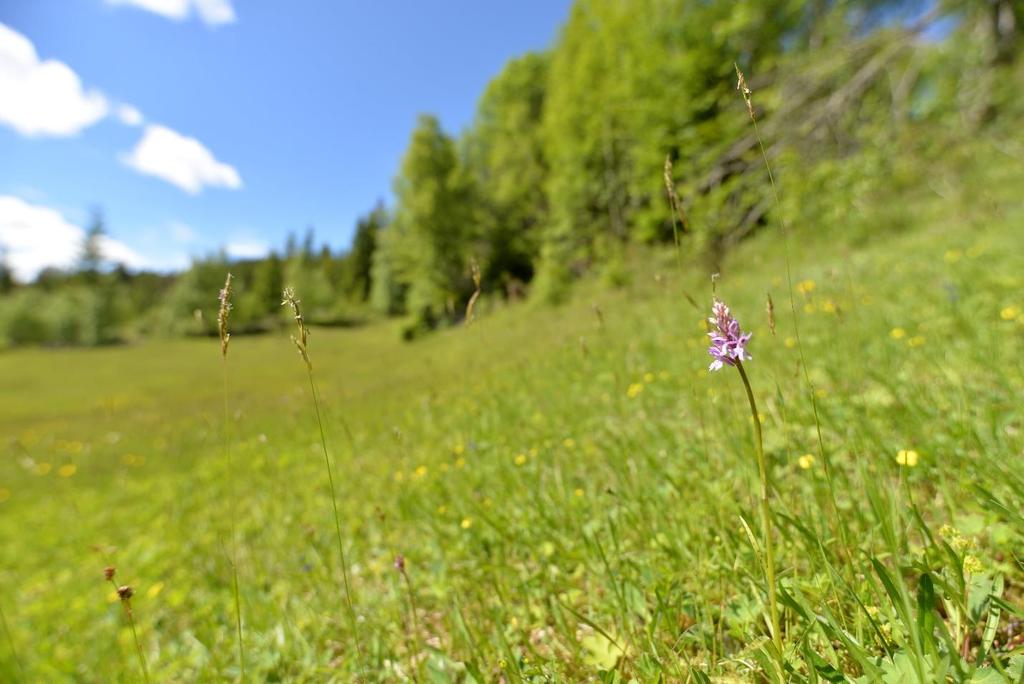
22	320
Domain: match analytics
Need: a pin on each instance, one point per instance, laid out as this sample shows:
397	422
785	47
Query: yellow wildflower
67	470
569	443
421	471
578	492
907	457
915	341
634	390
972	565
466	523
805	287
828	306
155	589
458	449
806	461
520	459
790	342
1009	313
648	377
43	468
897	333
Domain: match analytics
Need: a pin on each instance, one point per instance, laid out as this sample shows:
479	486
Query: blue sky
201	123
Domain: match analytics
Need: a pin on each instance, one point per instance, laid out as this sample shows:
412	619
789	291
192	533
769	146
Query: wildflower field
551	494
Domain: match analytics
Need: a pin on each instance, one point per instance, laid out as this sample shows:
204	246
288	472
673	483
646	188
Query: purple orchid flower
728	342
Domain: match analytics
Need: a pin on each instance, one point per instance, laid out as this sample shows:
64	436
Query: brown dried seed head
770	308
474	270
741	85
109	572
224	296
673	197
301	341
125	592
400	563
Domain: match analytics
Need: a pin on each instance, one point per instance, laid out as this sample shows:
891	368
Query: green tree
428	244
311	280
387	290
7	281
359	266
507	159
91	257
190	307
260	302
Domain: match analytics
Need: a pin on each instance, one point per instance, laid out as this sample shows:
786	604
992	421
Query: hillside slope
570	488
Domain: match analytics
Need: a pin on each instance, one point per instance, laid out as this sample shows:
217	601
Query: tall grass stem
766	516
223	314
234	525
822	453
10	641
125	594
337	515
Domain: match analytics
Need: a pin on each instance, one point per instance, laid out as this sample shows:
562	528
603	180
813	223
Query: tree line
564	167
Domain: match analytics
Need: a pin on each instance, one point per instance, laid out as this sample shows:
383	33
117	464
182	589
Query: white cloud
247	249
181	161
36	237
215	12
118	252
43	97
129	115
212	12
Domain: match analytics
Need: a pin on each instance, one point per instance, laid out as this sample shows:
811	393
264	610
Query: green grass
574	499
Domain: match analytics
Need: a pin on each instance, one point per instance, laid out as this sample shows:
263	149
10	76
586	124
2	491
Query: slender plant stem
138	646
10	641
766	516
234	524
337	515
415	625
811	391
126	604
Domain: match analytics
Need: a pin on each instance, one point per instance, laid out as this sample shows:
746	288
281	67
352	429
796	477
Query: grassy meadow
574	494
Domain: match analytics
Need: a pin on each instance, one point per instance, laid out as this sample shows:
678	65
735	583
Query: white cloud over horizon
247	249
181	161
37	237
43	97
211	12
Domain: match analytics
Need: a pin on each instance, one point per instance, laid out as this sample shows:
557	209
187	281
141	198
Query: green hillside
574	495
